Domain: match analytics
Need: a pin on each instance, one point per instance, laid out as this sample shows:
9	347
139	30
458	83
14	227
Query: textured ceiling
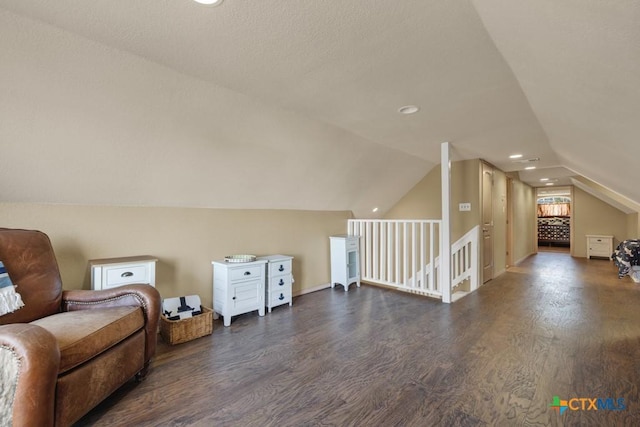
293	104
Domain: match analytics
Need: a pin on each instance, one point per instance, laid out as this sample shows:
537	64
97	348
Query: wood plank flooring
553	326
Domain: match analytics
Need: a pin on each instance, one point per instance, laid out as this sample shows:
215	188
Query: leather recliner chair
65	351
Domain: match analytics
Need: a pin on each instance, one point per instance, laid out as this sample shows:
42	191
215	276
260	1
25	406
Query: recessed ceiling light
549	183
409	109
530	168
515	156
374	210
544	179
209	2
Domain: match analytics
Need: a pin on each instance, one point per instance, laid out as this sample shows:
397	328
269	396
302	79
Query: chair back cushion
29	259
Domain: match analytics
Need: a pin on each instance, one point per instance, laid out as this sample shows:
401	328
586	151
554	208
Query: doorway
554	210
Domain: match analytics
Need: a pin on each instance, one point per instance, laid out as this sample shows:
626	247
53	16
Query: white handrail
464	259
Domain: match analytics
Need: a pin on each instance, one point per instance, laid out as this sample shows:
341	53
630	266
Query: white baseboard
523	258
313	289
457	295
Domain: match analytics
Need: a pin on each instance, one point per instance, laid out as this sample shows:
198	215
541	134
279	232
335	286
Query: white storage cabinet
238	288
345	260
109	273
599	246
279	279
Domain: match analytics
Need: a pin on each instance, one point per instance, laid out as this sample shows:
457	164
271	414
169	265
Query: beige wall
633	226
524	221
465	188
593	216
423	201
185	240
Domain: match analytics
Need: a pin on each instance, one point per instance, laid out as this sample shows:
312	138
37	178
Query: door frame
509	243
487	271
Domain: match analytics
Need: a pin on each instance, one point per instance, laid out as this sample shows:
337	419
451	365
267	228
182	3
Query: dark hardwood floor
553	326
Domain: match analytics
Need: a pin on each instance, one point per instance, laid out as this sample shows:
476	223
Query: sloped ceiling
578	63
293	104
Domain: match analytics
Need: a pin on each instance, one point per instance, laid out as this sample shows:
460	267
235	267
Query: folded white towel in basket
181	307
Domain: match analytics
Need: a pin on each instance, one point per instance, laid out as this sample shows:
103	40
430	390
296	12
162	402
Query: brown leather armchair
65	351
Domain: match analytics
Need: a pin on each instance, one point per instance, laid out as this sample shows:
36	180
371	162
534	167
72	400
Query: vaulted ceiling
293	104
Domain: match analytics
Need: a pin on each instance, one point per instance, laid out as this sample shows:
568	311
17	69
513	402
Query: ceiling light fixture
549	183
409	109
209	2
532	160
374	210
544	179
515	156
528	168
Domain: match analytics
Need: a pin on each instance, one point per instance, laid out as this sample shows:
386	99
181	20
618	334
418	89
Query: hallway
584	323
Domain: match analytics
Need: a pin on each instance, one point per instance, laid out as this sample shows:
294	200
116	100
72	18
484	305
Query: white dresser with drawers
278	280
109	273
599	246
238	288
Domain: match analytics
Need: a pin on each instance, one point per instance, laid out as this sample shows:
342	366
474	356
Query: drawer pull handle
247	273
281	282
599	240
126	274
281	297
281	268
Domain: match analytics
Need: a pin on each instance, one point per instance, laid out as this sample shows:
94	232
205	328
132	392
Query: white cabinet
112	272
279	279
600	246
238	288
345	260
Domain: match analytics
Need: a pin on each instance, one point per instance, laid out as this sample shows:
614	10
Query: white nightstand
600	246
345	260
238	288
109	273
278	281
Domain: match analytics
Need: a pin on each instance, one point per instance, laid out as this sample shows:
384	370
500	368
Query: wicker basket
179	331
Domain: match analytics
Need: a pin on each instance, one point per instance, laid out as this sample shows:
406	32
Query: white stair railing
404	254
464	259
393	251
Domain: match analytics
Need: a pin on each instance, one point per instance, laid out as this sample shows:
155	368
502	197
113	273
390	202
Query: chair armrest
30	361
145	296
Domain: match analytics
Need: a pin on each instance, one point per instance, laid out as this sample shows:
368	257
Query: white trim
445	230
515	264
310	290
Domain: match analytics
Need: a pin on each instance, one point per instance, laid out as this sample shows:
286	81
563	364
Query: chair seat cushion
84	334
